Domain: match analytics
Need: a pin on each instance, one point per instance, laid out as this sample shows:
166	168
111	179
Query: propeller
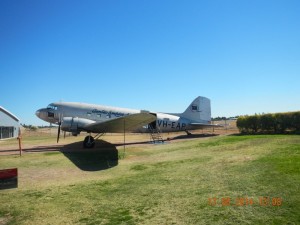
59	124
58	132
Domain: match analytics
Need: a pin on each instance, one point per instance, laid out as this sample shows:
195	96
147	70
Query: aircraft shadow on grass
193	136
102	157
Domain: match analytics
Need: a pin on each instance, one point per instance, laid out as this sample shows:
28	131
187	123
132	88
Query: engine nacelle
74	124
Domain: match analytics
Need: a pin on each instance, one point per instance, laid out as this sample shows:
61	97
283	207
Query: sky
155	55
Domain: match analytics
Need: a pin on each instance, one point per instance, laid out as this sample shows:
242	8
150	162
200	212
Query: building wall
9	127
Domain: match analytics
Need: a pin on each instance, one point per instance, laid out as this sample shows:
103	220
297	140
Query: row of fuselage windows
98	115
50	114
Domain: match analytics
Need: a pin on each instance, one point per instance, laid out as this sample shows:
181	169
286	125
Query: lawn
217	180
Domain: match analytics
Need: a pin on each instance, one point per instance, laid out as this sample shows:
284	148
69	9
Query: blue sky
158	55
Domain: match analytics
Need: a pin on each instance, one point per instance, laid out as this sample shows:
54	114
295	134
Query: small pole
20	142
124	141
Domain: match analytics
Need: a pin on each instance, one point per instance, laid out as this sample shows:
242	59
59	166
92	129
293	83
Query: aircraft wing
131	122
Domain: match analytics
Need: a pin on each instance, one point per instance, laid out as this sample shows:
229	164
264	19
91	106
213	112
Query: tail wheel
89	142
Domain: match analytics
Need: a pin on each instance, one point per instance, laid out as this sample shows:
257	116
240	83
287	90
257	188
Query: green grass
160	184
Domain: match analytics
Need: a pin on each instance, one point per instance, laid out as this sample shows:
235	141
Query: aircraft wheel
89	142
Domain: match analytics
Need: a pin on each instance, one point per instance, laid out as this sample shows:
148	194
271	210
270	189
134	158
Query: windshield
51	106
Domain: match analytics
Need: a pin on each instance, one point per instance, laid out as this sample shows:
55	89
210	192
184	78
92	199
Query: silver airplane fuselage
91	113
77	117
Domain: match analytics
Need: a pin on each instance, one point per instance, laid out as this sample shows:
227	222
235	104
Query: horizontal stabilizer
204	125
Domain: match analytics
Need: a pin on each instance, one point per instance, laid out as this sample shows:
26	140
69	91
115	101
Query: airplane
76	117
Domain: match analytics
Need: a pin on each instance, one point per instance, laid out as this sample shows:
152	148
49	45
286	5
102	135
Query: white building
9	124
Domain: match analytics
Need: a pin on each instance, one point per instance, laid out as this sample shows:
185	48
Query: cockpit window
50	114
51	106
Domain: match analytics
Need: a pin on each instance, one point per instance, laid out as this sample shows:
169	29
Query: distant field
215	180
47	136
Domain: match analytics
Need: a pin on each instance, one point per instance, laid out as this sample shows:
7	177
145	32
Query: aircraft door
152	124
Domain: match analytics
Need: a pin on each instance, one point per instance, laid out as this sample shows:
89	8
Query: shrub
266	123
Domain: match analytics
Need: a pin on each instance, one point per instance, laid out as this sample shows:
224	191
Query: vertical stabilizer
198	111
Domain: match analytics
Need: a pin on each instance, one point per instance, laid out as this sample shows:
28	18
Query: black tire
89	142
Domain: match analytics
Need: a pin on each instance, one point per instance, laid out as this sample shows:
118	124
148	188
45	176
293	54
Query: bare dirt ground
44	140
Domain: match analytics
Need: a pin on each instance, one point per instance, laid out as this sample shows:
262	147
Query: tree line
277	123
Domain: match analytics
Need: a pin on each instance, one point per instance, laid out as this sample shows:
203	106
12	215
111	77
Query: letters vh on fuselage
97	113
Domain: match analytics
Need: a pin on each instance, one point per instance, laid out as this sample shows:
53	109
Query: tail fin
198	111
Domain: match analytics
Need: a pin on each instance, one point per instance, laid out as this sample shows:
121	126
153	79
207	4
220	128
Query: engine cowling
74	124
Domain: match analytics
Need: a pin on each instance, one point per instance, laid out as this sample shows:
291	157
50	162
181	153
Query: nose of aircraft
37	113
40	113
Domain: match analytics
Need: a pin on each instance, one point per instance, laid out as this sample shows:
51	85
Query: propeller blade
58	133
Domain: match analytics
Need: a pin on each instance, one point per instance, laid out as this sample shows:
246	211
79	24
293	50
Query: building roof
9	113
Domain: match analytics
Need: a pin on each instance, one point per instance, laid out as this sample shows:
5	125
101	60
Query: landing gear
188	133
89	142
